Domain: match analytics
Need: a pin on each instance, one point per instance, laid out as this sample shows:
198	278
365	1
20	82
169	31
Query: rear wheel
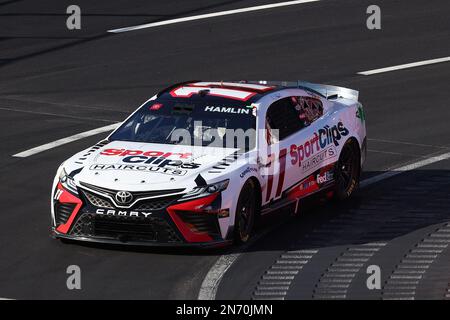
347	171
245	212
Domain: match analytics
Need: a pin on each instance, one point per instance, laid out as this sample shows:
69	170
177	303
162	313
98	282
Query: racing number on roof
234	85
187	92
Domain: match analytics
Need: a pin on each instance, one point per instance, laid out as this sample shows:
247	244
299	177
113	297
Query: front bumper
164	222
112	241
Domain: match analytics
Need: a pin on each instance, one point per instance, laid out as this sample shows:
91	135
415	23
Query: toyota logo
124	197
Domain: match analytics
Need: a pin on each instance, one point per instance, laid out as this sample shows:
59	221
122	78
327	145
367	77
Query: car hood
144	166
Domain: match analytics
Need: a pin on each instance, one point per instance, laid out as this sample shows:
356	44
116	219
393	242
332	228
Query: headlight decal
68	182
206	190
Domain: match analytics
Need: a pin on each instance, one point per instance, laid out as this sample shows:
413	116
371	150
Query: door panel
303	147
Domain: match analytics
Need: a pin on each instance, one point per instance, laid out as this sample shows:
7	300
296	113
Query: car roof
233	92
258	87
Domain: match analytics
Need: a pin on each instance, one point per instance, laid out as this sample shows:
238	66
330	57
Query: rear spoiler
325	90
331	92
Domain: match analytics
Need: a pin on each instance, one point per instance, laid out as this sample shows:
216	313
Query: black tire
347	171
245	213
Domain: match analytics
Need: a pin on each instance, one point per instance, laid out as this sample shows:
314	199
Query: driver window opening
290	115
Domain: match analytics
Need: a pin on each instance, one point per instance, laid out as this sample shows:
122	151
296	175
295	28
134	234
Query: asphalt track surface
55	83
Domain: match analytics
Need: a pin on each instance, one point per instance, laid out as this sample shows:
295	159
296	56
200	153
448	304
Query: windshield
191	122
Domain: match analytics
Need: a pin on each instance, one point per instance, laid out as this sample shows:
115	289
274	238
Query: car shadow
378	213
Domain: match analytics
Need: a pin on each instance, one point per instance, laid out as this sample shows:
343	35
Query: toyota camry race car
197	163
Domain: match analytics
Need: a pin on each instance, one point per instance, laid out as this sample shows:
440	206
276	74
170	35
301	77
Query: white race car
197	163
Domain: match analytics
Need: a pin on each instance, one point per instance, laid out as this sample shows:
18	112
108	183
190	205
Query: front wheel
347	171
245	213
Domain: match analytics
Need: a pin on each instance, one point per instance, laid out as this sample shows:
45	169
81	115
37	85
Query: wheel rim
346	168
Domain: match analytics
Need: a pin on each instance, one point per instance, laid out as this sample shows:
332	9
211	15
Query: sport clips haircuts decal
320	147
308	155
140	168
148	161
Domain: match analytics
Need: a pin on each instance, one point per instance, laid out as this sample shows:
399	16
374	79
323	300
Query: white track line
211	15
408	167
404	66
55	114
409	143
62	141
210	284
208	289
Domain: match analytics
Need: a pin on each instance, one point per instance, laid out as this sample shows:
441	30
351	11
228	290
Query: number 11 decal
282	172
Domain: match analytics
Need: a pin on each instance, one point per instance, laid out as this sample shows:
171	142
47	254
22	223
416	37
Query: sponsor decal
247	171
227	109
122	213
307	184
155	158
140	168
318	158
276	96
360	113
325	177
252	107
319	148
124	152
303	188
161	163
